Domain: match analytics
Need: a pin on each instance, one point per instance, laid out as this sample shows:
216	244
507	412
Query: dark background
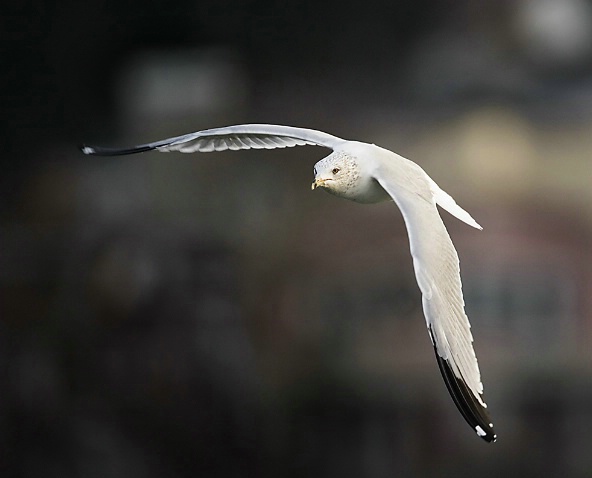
210	316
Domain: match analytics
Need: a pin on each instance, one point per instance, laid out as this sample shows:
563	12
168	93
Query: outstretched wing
437	271
246	136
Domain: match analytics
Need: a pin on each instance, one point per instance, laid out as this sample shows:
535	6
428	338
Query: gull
366	173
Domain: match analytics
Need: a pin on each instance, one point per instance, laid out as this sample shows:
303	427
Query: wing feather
437	270
248	136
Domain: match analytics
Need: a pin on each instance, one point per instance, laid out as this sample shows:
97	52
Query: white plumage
366	173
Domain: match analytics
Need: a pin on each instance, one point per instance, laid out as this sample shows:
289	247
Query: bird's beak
318	183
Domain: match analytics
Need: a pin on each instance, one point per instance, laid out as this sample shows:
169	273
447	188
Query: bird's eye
314	170
335	170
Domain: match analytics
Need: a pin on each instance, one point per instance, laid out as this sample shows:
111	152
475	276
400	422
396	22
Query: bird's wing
247	136
437	271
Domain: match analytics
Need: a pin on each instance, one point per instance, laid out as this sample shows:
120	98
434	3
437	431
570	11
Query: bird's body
367	173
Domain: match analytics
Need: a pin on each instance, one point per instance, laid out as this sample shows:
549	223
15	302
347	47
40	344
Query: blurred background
208	315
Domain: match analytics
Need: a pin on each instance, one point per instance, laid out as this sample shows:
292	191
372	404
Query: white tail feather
445	201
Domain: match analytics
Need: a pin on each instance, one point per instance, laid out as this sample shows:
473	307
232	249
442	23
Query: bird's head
337	174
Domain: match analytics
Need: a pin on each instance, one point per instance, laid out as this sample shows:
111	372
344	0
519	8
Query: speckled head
340	174
337	174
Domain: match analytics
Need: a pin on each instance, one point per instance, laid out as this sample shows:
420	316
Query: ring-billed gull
367	173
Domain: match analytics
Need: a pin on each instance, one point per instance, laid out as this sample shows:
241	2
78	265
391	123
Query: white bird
367	173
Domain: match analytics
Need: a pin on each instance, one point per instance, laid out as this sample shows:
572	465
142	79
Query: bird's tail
445	201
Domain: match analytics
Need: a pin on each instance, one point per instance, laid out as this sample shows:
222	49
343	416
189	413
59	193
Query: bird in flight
367	173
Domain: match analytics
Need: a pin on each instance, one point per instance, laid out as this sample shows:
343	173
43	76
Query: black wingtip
98	151
86	149
473	412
